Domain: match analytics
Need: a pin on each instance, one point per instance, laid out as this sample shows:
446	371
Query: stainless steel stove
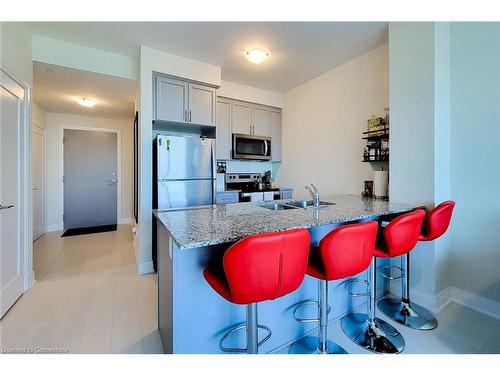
251	187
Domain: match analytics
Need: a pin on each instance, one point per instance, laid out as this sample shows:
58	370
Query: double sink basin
308	205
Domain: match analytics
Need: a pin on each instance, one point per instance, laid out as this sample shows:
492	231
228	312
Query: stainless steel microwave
251	147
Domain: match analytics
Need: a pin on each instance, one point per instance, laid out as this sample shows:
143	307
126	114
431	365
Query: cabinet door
286	194
223	129
242	117
275	132
260	120
171	100
201	105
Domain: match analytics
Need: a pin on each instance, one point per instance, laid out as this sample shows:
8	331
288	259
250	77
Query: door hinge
64	179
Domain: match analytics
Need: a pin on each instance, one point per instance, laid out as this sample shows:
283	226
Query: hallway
88	298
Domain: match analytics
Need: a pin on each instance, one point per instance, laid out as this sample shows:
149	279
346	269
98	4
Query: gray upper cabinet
275	133
201	105
260	120
184	102
223	129
242	117
234	116
171	100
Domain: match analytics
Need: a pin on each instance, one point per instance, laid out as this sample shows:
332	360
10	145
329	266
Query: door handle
6	207
190	116
185	115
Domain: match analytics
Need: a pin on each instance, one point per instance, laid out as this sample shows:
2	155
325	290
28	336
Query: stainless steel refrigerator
184	171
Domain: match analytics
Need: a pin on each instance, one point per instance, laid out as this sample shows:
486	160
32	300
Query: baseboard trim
424	299
53	228
473	301
145	268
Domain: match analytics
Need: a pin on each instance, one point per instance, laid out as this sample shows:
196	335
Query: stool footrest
388	276
349	282
239	328
307	320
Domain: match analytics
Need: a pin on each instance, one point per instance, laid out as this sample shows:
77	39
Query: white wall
445	144
53	163
160	62
412	54
57	52
323	121
250	94
15	59
38	115
475	158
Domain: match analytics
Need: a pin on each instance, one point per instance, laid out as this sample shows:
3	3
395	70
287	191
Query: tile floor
461	331
89	299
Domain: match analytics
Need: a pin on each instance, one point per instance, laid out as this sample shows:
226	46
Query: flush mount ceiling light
86	102
257	55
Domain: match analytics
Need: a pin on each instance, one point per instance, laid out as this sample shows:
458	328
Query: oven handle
265	148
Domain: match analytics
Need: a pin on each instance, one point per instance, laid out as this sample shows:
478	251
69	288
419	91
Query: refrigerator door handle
214	164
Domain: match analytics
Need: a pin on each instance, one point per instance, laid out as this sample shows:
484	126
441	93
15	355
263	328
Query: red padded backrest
401	235
266	266
348	249
437	221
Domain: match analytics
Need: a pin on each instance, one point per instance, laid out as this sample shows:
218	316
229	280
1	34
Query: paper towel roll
380	184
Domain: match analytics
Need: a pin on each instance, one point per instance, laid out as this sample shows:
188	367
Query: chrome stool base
409	314
309	345
384	338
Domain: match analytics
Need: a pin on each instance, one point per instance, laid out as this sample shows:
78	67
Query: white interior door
11	254
37	174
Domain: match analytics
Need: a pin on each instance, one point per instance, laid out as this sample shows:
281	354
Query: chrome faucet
314	194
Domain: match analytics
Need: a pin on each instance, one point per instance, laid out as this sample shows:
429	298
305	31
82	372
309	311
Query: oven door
251	197
251	147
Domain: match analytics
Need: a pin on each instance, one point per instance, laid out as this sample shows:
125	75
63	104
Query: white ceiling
300	51
55	88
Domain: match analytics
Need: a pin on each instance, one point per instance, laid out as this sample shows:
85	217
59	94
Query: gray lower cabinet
275	134
184	102
223	129
286	193
224	197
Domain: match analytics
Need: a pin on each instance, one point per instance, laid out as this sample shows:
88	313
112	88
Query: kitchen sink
295	204
308	204
277	206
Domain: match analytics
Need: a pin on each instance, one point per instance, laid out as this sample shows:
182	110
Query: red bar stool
368	331
259	268
344	252
403	310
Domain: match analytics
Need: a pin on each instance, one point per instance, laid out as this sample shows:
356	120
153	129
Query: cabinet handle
190	116
185	115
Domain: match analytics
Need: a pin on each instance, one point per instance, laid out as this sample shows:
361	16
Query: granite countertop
217	224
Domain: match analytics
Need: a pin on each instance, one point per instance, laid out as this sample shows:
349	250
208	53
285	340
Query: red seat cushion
261	267
437	221
380	253
401	235
345	251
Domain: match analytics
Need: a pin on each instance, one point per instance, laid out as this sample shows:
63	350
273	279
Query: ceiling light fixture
256	55
86	102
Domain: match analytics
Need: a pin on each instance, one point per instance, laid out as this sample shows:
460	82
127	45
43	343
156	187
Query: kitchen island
192	317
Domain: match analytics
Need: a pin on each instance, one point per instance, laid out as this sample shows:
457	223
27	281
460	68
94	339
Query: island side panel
165	288
193	317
